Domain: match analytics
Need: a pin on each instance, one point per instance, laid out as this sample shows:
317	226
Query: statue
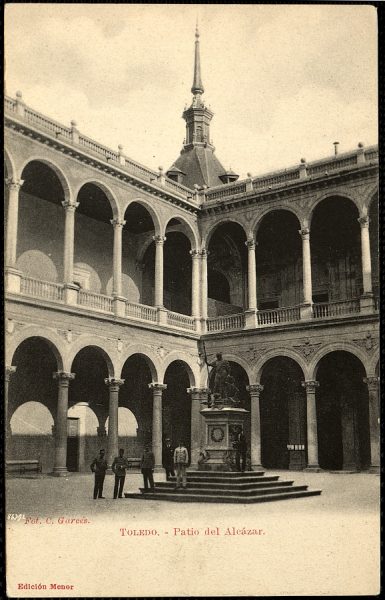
220	372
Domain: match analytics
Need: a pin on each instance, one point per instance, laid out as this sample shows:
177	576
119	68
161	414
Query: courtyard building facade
117	275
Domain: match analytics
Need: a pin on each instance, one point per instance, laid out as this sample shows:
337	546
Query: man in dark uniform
147	466
168	459
241	451
99	467
119	467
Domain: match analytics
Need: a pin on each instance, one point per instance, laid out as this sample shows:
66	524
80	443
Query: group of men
177	457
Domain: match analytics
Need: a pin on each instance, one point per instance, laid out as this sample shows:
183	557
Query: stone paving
321	545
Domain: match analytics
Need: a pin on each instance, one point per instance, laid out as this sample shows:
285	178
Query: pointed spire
197	86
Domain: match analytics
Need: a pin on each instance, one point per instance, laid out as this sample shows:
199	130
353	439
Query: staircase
227	486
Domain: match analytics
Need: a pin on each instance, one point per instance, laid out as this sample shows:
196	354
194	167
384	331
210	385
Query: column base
312	469
198	324
60	472
375	469
119	304
257	468
162	315
203	325
367	304
251	321
13	280
71	291
158	469
306	312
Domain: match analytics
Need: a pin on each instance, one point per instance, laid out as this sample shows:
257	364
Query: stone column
204	287
157	390
250	314
374	422
9	371
119	301
60	466
255	421
312	434
197	394
306	270
12	275
195	284
71	290
159	243
113	406
365	255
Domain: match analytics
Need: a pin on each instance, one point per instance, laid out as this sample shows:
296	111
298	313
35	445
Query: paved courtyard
326	544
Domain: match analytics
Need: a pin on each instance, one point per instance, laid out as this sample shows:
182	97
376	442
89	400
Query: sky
284	81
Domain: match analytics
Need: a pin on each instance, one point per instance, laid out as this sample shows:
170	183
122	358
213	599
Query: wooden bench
134	463
23	466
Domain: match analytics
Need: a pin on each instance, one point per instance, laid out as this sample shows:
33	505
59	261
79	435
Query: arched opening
94	236
176	409
136	396
374	245
226	270
32	402
177	271
138	277
335	251
40	255
87	391
279	261
342	413
127	432
283	415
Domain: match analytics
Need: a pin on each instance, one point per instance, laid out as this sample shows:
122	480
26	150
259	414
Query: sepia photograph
192	310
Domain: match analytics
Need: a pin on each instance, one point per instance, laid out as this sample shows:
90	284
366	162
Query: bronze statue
220	372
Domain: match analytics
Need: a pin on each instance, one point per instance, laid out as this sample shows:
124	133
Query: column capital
254	389
304	233
159	239
250	244
372	383
9	371
195	391
204	253
70	206
157	388
310	385
117	223
14	184
63	378
112	382
195	254
364	221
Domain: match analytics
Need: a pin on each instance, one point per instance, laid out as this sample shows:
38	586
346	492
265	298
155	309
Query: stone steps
226	486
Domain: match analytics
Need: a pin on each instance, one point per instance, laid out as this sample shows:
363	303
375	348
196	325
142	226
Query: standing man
181	461
119	467
147	468
168	459
99	467
241	451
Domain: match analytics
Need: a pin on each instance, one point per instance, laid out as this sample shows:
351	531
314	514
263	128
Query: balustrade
141	311
95	301
41	289
321	310
179	320
226	322
278	315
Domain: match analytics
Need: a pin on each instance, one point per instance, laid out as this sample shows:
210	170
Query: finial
73	123
360	145
197	86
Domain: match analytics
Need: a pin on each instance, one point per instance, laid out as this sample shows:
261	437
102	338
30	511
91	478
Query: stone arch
104	349
332	194
335	347
275	208
276	353
207	235
374	365
148	355
370	196
187	229
186	359
148	206
55	343
67	190
10	164
106	190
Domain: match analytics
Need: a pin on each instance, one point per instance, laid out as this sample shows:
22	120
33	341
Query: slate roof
201	167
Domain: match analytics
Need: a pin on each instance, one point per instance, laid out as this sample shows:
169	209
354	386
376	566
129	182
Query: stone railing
278	315
93	146
35	118
41	289
141	311
10	104
95	301
322	310
226	322
371	154
179	320
332	165
223	192
277	178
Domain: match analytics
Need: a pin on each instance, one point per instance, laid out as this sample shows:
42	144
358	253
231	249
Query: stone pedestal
221	425
13	280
